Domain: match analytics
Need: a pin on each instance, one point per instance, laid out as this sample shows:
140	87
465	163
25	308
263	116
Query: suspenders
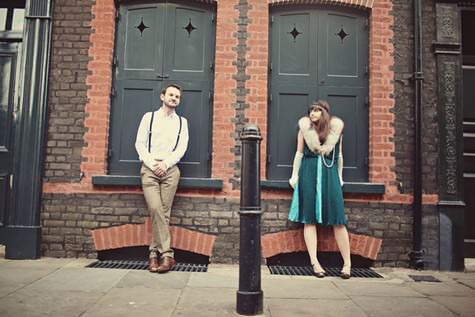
150	134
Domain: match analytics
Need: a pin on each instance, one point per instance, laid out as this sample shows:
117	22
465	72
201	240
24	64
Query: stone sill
350	187
185	182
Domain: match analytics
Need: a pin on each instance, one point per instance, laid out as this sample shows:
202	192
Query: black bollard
249	296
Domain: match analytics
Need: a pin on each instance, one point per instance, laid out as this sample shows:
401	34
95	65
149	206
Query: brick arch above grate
131	235
368	4
293	241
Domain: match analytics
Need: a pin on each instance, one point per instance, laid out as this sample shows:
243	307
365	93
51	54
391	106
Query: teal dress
318	196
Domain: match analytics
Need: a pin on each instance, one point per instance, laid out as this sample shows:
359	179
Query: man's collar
161	111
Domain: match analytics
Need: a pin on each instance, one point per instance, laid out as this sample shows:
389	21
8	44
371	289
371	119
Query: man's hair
164	90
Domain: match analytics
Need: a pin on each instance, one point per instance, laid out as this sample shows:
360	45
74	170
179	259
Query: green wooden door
158	44
8	62
318	54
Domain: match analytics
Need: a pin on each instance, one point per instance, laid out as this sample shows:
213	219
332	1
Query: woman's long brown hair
323	124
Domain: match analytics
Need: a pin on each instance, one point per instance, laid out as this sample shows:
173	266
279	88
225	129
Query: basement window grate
143	265
424	278
330	271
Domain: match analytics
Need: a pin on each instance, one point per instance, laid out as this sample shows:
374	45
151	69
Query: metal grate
424	278
330	271
143	265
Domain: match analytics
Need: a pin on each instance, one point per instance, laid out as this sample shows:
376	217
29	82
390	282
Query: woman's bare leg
310	236
343	242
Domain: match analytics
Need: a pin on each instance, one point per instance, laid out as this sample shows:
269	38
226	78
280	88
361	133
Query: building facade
83	72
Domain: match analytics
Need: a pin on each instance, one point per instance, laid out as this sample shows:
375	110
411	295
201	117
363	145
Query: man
162	139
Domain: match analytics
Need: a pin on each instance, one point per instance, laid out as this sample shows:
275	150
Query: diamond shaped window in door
141	27
189	28
295	33
342	34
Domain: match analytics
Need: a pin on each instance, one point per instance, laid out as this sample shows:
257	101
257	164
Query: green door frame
21	232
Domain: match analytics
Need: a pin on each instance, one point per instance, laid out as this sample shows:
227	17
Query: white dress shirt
164	136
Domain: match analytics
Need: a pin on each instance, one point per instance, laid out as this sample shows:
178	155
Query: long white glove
295	169
340	163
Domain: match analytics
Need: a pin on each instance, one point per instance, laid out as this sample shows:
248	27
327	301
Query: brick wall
81	78
225	85
68	219
404	96
68	89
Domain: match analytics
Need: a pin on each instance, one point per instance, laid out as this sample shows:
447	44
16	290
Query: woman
317	181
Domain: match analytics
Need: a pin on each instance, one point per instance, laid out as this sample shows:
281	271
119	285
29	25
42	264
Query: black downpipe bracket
417	255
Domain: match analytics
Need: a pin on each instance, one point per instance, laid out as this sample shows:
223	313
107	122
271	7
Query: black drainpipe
417	255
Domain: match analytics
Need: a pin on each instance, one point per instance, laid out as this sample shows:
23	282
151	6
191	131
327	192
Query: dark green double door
8	66
158	44
318	54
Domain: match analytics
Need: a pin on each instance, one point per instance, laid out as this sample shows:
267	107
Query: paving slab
12	279
463	306
358	287
207	302
401	306
27	302
302	288
137	301
45	263
467	282
142	278
214	279
457	275
313	307
87	280
448	288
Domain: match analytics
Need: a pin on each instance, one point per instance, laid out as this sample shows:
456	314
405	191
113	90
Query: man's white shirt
165	130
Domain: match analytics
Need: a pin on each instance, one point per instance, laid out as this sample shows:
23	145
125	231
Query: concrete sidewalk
64	287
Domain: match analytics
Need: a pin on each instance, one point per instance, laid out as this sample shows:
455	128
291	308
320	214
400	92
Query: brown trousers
159	193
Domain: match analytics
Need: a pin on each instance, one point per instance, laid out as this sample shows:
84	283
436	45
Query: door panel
191	32
140	44
194	107
343	53
175	44
289	103
137	97
8	63
348	104
294	41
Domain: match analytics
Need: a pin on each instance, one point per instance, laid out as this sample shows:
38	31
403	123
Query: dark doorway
11	28
468	70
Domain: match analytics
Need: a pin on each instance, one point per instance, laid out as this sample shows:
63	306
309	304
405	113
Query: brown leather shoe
153	265
167	264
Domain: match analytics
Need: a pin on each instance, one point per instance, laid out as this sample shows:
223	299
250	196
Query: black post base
416	259
22	243
249	303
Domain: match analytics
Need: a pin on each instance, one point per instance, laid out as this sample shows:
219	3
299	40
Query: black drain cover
424	278
143	265
330	271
